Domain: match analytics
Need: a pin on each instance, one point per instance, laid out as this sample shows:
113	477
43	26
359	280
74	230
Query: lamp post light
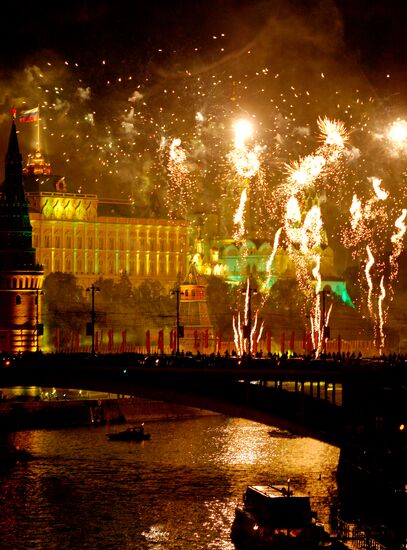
38	326
92	289
180	328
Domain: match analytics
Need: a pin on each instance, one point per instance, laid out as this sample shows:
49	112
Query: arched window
18	300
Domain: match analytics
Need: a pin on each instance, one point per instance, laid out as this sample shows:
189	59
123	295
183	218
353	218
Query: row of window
108	242
112	267
21	282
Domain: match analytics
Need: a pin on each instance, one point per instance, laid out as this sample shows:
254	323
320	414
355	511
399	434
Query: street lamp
92	289
180	328
39	326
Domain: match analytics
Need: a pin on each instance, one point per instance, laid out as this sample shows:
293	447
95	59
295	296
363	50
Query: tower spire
13	175
15	226
20	275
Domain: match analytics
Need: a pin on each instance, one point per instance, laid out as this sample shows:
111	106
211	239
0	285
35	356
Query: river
176	491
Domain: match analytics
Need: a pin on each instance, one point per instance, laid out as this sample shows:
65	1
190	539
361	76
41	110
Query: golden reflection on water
177	491
244	443
248	442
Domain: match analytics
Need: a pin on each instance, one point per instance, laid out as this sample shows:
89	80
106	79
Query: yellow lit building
92	237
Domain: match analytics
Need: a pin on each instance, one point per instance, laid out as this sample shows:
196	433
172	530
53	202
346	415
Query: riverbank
18	415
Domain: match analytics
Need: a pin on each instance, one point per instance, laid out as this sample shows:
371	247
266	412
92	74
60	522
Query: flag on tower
29	116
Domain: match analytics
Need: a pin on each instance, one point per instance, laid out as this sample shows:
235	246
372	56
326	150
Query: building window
162	266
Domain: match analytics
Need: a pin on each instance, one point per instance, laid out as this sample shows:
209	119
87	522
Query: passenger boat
134	433
272	517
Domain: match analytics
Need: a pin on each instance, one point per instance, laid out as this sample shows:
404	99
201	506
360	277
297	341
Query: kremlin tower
194	315
20	276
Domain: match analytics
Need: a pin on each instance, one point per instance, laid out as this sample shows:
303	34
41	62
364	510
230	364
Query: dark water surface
176	491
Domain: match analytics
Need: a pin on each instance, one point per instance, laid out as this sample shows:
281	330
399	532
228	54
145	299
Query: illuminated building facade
234	263
21	276
92	237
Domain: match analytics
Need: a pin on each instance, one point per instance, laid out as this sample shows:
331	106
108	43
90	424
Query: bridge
358	406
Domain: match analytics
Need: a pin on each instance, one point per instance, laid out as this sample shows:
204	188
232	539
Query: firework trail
368	267
316	320
246	164
381	315
380	194
269	265
244	340
238	218
397	240
238	334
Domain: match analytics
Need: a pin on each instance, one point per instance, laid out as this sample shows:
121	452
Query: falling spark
381	314
397	240
380	194
356	212
237	336
316	318
238	218
311	230
368	267
271	260
293	220
247	302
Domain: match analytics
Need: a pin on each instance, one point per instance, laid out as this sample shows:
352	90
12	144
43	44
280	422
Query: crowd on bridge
258	360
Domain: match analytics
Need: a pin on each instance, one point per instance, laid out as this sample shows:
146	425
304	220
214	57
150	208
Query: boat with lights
273	517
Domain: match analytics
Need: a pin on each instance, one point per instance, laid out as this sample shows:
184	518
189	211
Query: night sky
372	30
118	82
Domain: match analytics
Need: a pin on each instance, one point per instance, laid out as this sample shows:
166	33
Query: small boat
283	434
271	517
134	433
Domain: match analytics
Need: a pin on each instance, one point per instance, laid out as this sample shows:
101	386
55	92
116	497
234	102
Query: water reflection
178	490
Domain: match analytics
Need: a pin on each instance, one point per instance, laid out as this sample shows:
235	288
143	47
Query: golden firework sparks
368	267
332	132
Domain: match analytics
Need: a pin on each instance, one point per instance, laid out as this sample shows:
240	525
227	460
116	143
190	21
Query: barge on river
272	517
